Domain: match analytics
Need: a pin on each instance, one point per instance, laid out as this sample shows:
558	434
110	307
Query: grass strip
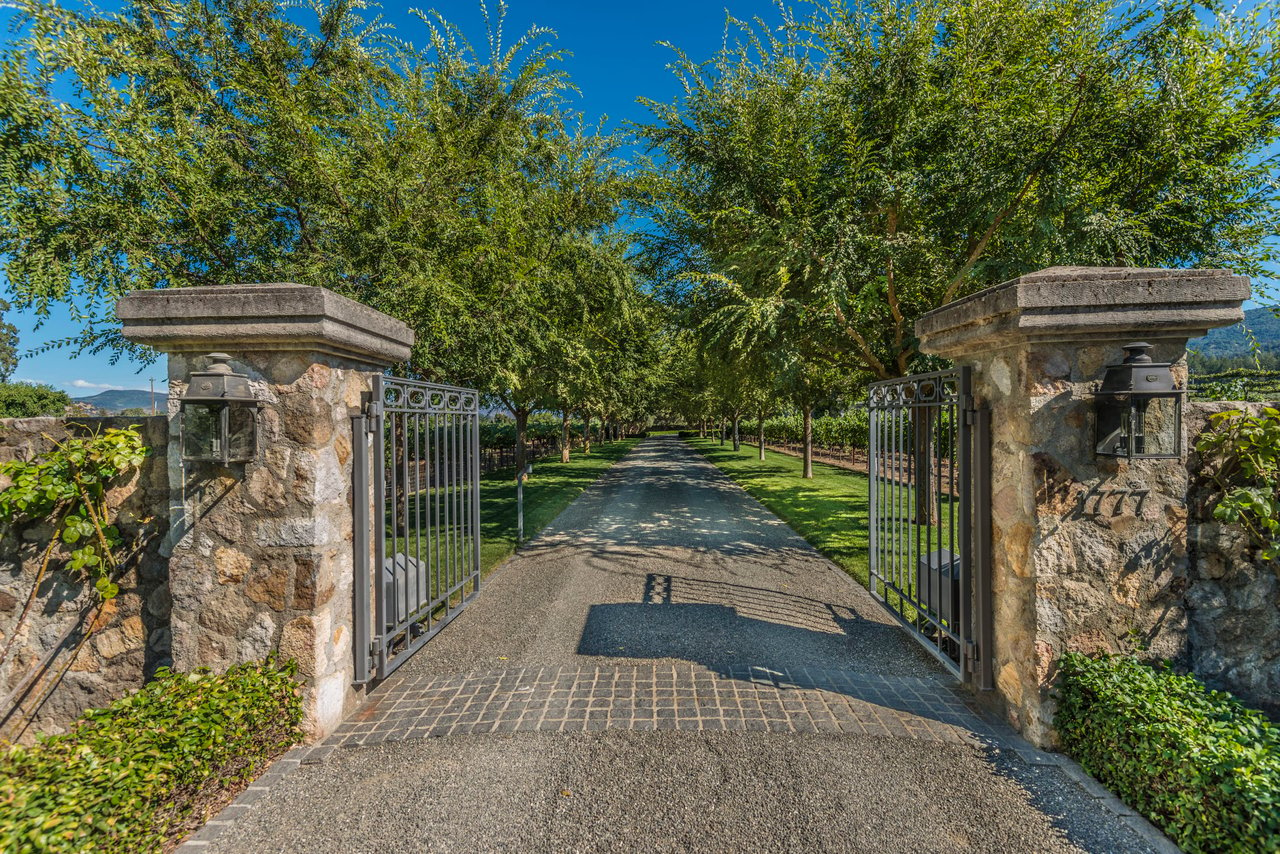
548	491
830	511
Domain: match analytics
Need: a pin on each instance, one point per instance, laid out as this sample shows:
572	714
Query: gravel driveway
670	668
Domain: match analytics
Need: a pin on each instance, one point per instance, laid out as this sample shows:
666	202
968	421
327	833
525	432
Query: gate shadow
758	635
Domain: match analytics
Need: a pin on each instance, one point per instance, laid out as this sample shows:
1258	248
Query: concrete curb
199	842
1105	798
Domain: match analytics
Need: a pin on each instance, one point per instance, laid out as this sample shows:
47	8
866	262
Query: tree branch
864	349
976	250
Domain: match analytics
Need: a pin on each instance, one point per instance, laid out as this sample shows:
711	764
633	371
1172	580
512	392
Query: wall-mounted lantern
219	415
1139	408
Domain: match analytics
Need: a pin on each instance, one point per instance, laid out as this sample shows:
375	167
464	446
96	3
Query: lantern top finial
219	364
218	383
1137	353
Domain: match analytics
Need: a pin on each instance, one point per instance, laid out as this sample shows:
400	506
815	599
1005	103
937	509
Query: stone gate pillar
1088	553
261	552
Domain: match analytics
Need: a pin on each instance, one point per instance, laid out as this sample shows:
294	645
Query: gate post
1086	551
261	552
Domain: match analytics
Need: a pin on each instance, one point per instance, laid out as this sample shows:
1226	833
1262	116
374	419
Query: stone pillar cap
253	317
1086	304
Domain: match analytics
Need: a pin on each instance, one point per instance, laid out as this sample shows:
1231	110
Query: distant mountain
118	400
1231	340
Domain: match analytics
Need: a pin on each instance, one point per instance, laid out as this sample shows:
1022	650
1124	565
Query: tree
227	141
8	345
29	400
206	145
841	175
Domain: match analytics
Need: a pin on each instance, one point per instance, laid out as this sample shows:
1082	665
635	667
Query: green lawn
830	511
550	489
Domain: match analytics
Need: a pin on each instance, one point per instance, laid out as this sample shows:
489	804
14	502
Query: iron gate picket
930	475
420	527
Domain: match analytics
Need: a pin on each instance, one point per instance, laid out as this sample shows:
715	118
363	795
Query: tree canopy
826	182
819	183
227	141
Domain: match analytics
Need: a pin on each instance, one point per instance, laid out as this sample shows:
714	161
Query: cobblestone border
645	697
199	842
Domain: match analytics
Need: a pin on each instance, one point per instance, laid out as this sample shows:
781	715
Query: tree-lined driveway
670	668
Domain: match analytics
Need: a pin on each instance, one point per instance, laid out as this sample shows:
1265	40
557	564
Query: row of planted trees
819	184
183	142
826	180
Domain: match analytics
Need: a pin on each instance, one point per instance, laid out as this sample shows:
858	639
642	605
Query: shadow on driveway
764	636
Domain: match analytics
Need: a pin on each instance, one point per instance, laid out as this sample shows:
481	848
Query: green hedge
1196	762
126	777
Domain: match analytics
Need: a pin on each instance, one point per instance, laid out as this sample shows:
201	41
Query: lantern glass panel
1140	425
242	434
1156	431
201	431
1113	426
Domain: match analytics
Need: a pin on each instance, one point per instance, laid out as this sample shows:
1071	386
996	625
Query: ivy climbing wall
1233	594
69	652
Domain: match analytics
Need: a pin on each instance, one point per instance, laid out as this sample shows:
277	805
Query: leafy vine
66	487
1244	455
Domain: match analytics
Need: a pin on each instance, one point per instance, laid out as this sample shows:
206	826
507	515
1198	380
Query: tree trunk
522	438
808	441
737	441
922	462
586	432
761	435
565	438
720	429
401	497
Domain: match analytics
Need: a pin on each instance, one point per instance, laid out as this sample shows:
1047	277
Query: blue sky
615	60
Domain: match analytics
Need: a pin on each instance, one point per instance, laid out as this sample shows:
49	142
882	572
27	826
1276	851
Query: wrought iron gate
419	530
930	515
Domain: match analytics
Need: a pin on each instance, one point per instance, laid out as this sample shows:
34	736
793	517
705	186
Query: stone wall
1233	597
132	636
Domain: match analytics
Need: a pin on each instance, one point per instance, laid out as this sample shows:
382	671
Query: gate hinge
373	410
